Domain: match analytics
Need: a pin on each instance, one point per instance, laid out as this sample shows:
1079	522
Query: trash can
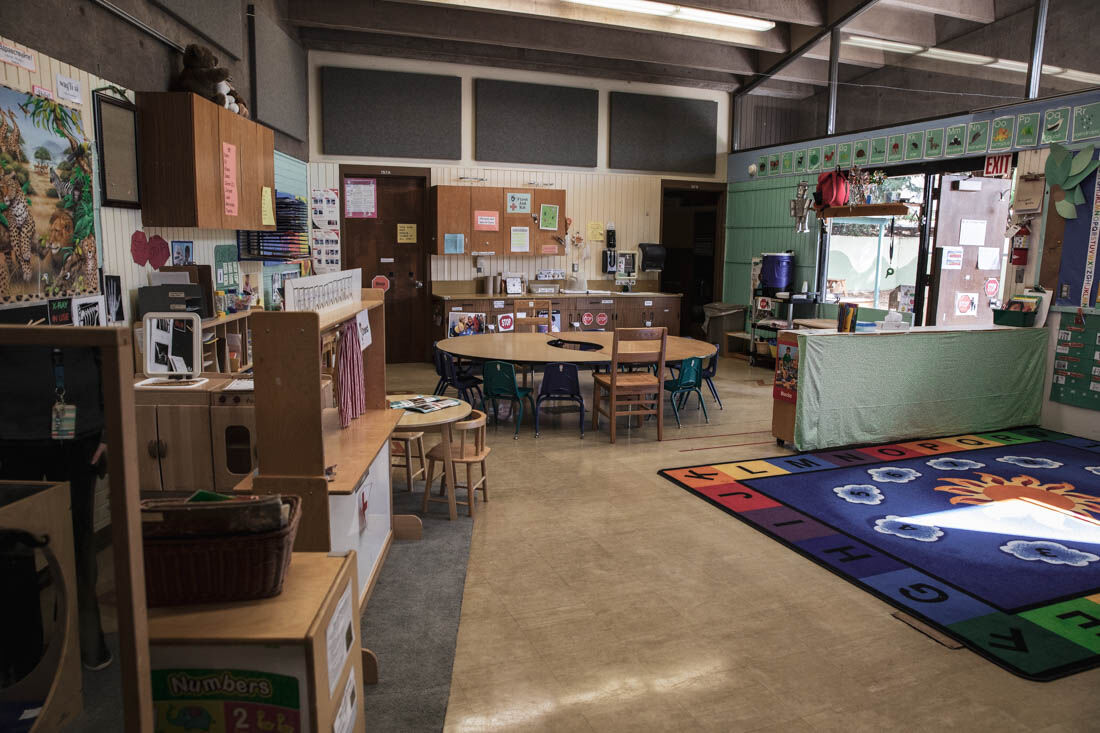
722	318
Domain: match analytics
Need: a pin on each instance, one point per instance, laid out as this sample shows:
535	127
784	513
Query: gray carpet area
411	621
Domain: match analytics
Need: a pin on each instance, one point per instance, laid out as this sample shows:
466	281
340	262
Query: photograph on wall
112	293
977	137
878	150
914	146
1027	130
47	221
460	323
844	155
895	152
933	143
956	140
89	311
1056	125
1001	138
183	252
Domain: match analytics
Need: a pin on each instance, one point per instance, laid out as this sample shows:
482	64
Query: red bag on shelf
833	189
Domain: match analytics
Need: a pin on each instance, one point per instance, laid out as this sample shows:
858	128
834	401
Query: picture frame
117	150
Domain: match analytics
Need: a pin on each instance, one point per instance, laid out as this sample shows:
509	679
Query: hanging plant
1067	170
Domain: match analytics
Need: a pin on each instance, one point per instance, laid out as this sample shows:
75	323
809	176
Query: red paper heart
139	247
159	251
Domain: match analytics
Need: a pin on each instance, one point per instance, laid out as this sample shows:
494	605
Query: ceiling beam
977	11
799	12
480	54
771	40
896	24
503	30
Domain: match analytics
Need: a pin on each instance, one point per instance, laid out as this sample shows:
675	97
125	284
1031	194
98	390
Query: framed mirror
116	144
173	349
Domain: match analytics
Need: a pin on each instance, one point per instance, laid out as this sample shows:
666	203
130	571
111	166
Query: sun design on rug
994	488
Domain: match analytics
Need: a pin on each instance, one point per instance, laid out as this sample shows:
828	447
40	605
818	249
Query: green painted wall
758	220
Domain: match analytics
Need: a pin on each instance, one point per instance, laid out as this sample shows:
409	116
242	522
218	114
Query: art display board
1077	271
1076	379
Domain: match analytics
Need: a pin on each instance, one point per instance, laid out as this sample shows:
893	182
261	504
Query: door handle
419	283
162	448
153	449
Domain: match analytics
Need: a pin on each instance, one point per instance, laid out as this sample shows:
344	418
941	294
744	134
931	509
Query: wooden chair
531	321
401	446
638	393
466	450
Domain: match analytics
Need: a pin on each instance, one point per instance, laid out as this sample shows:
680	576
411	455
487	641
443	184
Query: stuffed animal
201	73
224	96
238	99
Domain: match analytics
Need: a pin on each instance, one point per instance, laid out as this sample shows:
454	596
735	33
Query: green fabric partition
877	388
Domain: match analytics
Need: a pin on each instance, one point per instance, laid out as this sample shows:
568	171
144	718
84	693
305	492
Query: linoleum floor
600	597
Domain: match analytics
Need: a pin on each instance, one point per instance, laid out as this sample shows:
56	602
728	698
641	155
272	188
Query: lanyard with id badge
62	416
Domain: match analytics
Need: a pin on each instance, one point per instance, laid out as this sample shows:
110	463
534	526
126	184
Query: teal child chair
500	384
687	381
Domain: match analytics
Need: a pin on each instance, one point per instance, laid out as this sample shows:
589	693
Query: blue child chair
560	381
686	382
500	384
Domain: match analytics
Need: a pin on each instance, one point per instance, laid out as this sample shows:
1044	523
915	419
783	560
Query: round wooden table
440	421
535	348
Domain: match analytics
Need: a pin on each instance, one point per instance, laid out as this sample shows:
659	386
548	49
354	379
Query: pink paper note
229	178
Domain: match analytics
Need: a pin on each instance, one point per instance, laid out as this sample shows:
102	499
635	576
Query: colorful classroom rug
993	539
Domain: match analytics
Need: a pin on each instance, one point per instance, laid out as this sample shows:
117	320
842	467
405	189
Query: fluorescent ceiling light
864	42
1081	76
1009	65
677	12
960	57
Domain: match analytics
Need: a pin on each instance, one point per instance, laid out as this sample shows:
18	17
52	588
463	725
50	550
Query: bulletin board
516	122
1077	362
1079	268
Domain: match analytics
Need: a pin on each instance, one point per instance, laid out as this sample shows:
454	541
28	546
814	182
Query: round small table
535	348
440	421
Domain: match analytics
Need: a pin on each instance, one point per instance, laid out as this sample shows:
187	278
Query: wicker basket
239	567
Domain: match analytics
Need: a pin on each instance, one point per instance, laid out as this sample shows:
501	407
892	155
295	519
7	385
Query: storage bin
1003	317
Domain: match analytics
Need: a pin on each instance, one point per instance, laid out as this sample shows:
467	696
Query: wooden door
970	240
486	199
545	241
185	458
371	245
145	428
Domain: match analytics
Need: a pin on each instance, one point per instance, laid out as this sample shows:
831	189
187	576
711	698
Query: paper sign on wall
966	304
361	198
41	92
952	258
989	258
325	208
487	221
595	231
517	203
972	232
325	250
69	88
548	217
15	57
454	244
406	233
229	178
267	207
520	240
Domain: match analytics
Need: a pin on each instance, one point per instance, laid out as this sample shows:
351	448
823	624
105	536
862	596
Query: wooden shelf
352	449
332	319
845	212
286	617
227	318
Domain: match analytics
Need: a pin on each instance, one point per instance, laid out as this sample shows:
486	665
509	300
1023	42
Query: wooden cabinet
509	219
487	198
148	453
450	207
233	436
667	314
174	447
545	241
183	143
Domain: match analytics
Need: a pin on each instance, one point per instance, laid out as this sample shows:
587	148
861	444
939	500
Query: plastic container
722	318
776	271
1022	319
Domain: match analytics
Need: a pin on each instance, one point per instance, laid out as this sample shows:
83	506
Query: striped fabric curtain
353	401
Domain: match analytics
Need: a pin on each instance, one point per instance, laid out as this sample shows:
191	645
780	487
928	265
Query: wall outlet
576	267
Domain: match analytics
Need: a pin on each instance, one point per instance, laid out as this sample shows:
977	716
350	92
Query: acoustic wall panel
280	86
535	123
653	133
390	114
218	21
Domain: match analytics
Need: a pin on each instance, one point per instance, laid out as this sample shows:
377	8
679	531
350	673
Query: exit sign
998	165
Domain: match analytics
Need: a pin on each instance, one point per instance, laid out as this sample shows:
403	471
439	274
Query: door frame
719	262
389	171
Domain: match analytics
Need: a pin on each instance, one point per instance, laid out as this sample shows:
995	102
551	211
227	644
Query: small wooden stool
470	453
401	445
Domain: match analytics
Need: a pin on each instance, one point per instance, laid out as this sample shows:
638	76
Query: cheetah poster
47	230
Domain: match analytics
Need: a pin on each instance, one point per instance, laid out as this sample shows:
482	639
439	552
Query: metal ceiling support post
834	78
1038	35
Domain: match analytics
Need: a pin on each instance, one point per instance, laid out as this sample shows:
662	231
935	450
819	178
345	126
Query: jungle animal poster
47	219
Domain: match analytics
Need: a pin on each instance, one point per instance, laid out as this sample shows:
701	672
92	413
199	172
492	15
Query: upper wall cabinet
201	165
464	216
